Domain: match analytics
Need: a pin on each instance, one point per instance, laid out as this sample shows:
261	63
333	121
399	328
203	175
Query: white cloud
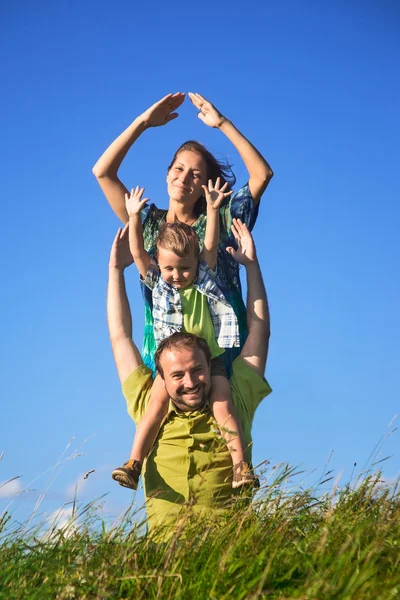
76	486
10	488
61	519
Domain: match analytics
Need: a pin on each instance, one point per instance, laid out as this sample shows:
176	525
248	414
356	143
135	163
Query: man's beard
189	403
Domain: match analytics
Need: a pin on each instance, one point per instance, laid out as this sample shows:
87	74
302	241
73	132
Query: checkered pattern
167	306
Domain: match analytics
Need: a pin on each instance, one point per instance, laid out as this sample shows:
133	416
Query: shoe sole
121	479
238	484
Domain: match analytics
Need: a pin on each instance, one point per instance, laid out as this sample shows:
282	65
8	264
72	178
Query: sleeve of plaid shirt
208	271
152	275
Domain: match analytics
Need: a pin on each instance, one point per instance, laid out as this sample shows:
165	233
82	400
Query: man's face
187	377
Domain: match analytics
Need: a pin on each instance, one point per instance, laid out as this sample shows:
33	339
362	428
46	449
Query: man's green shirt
189	464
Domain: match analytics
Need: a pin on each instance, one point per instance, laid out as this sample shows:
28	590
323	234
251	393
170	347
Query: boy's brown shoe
128	475
244	476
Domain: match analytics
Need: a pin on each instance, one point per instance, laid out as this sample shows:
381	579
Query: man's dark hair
181	339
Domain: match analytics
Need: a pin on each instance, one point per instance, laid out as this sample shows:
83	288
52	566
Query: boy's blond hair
179	238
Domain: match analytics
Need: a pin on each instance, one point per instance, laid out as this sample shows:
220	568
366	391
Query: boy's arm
126	355
214	196
255	349
134	205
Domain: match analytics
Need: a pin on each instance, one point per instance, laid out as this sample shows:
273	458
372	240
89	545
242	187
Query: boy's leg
146	433
231	429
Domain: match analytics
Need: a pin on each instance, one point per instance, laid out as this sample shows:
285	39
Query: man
189	465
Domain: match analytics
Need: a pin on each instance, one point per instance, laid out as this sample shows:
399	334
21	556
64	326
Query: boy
185	296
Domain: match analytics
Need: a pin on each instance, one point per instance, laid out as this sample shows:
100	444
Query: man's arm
126	355
255	349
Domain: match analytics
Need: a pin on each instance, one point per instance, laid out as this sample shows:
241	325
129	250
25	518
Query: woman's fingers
172	99
200	98
193	98
175	100
200	103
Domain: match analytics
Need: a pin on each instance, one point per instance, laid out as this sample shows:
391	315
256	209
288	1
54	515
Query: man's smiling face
187	377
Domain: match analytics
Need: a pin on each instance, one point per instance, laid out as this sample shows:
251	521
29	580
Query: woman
191	167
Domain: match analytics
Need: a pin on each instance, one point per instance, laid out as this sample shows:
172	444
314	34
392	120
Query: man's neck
183	411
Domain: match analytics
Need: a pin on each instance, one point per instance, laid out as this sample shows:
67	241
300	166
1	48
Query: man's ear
163	382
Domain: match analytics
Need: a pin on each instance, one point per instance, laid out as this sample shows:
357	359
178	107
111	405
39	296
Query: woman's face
186	176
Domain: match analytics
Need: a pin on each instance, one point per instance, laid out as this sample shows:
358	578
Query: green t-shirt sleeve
248	389
137	389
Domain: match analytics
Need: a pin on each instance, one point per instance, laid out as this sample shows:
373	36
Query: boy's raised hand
246	250
214	194
134	202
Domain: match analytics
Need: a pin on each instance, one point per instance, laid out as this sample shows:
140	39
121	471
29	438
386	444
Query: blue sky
315	87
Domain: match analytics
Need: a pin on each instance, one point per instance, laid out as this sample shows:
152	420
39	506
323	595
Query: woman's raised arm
260	173
106	168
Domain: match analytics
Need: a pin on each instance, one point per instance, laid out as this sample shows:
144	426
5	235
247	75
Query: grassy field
288	543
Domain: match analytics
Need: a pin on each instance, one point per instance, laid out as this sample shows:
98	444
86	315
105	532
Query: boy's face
176	271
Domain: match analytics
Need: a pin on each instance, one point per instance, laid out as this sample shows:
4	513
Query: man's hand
215	194
208	113
246	251
162	112
134	202
120	256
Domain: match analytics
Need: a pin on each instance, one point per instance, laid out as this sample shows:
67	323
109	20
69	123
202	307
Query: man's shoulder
246	384
137	389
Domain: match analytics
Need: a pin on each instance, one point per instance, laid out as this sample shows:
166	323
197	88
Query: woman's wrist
224	123
141	123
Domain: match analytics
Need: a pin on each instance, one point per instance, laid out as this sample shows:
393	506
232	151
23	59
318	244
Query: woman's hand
120	256
134	202
208	113
215	194
246	251
162	112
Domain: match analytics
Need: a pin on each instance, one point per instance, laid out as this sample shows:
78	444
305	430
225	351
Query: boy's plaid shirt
167	306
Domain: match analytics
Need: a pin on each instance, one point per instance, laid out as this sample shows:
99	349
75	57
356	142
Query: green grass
288	543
